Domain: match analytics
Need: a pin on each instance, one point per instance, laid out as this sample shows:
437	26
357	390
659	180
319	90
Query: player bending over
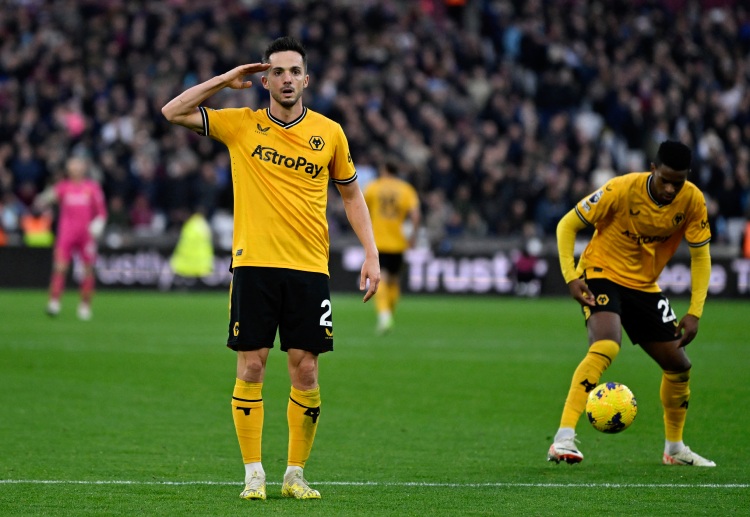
640	219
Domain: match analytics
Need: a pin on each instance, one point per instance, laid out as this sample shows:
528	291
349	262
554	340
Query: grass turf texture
450	414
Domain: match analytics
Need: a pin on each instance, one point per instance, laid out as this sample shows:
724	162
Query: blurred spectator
28	171
118	219
602	173
11	211
475	226
551	208
37	228
141	215
207	189
193	256
438	215
528	268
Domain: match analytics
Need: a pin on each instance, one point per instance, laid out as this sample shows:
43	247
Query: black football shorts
646	317
296	303
392	262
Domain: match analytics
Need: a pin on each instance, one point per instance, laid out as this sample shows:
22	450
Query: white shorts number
324	321
667	314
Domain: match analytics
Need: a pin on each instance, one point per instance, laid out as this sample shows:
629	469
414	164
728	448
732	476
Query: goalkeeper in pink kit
81	219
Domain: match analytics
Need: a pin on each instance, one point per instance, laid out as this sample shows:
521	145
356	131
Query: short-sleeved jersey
280	175
390	201
635	235
79	202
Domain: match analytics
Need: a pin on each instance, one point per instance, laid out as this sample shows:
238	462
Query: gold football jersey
635	236
280	174
390	201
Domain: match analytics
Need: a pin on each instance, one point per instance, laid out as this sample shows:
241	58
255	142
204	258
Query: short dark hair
283	44
390	165
674	155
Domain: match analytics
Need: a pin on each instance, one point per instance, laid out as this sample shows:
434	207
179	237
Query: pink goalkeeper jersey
80	202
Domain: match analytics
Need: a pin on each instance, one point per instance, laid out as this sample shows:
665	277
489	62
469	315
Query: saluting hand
235	77
581	292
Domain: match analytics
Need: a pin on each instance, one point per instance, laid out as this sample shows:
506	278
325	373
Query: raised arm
359	218
183	109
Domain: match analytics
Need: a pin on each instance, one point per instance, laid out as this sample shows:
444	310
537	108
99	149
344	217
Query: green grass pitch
451	414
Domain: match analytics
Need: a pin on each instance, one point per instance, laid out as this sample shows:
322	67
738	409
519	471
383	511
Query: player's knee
251	369
305	374
679	363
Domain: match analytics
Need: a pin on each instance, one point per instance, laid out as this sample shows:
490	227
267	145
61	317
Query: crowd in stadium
502	113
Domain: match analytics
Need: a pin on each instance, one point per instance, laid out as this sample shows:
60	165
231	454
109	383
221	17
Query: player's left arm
567	229
46	198
359	218
700	275
698	237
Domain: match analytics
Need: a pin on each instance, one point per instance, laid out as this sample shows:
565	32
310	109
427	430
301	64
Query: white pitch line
382	484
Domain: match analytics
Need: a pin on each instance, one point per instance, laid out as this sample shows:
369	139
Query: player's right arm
359	218
183	109
567	229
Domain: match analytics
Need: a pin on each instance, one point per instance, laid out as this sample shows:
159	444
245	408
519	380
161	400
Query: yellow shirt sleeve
700	275
567	229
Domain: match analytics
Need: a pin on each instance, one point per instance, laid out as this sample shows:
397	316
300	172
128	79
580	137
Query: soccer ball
611	407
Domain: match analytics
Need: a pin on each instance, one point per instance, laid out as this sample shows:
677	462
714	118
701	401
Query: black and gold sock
247	412
675	396
585	378
302	414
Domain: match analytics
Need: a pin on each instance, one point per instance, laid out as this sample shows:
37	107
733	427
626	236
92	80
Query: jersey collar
287	125
648	189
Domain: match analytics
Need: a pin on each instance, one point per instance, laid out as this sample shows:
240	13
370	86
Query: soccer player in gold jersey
639	221
392	201
282	160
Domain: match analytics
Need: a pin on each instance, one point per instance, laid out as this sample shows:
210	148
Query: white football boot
688	458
